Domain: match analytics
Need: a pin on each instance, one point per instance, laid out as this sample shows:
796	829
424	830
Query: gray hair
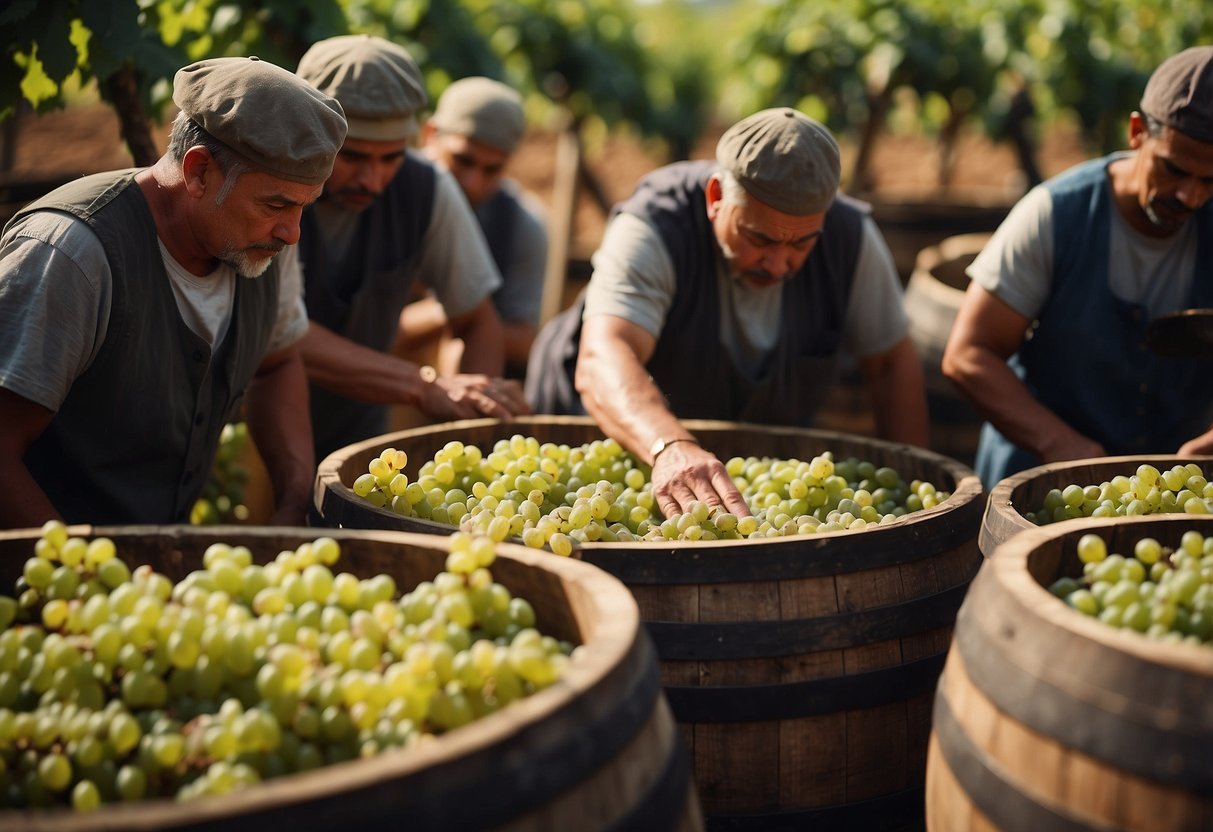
187	133
1154	126
731	190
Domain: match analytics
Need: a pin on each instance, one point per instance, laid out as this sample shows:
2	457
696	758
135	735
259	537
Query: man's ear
196	166
1138	132
714	192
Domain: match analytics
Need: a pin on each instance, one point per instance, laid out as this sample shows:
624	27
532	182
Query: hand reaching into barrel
684	473
470	396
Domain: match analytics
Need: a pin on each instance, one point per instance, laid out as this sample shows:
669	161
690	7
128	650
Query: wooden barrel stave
598	750
802	687
1045	718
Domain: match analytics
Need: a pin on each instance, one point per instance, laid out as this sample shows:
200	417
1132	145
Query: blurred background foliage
665	69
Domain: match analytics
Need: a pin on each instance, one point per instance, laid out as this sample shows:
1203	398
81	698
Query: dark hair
187	133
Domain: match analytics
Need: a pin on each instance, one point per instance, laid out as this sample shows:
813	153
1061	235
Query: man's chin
250	267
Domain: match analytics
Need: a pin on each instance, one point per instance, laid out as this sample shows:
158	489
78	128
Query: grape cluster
1165	594
223	496
553	495
1179	489
116	684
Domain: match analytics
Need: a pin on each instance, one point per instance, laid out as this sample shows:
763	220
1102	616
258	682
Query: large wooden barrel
1047	719
1013	497
801	669
597	750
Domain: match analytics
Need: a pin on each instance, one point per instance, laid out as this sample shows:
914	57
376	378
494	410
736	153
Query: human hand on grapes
472	395
685	473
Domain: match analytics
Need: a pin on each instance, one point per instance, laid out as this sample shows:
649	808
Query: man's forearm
625	401
898	397
483	341
25	504
349	369
281	427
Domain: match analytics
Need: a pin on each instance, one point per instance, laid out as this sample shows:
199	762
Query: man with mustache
1048	344
139	308
389	218
729	290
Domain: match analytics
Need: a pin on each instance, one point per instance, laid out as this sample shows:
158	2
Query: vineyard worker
1048	342
728	290
473	133
138	307
389	217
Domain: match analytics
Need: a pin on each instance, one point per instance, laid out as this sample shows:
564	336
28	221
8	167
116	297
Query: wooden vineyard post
560	223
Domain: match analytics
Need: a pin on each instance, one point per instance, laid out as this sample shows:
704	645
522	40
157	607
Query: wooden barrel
933	296
1047	719
597	750
801	669
1012	498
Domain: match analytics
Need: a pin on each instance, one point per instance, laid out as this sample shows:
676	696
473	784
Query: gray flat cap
266	115
378	83
483	110
1180	93
783	159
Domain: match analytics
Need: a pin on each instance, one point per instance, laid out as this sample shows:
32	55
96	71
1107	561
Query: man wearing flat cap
1048	344
390	219
728	290
473	133
140	308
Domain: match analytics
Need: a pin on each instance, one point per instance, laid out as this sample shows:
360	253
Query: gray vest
690	364
136	436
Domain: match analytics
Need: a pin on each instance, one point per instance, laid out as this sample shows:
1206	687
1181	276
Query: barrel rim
614	639
1003	496
968	487
1007	568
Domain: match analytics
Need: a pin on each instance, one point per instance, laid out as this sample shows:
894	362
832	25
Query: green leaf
56	52
17	10
116	33
37	86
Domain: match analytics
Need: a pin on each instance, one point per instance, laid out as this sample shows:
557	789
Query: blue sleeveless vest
1085	361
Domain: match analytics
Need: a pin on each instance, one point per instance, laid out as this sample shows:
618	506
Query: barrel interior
599	747
338	505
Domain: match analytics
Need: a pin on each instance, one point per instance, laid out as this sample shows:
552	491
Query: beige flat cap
378	83
784	159
265	114
483	110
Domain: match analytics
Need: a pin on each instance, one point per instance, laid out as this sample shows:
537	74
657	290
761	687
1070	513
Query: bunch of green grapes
554	496
1165	594
223	497
117	684
1179	489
